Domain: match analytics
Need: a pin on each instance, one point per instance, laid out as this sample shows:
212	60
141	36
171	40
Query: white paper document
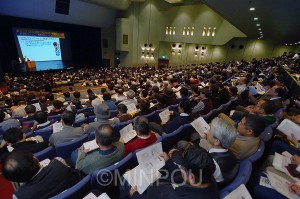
280	184
128	133
131	108
265	182
178	95
37	106
57	126
239	193
201	126
164	116
90	145
280	162
149	158
92	196
49	108
45	162
288	127
138	177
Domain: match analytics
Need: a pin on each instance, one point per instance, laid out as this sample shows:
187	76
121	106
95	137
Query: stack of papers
164	116
128	133
147	171
288	128
201	126
257	89
49	108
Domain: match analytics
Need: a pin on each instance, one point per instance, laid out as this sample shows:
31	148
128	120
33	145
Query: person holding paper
130	98
37	181
107	153
184	117
219	138
195	177
29	114
41	121
68	132
58	108
123	116
247	141
144	136
15	140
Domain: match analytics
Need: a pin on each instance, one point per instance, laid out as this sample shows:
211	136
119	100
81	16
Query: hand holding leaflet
128	133
201	126
164	116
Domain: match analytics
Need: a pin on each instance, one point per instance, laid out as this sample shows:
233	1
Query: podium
30	66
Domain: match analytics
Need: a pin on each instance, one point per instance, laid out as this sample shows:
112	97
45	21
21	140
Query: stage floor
46	65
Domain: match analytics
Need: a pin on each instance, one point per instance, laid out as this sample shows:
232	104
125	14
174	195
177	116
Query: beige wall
109	35
146	22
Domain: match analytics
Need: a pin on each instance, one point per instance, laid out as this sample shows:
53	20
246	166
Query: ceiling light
255	18
286	44
296	43
259	29
252	9
260	32
299	42
291	44
258	24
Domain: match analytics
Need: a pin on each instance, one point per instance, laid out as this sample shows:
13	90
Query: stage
45	65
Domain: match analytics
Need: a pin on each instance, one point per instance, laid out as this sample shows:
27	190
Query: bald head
105	134
20	166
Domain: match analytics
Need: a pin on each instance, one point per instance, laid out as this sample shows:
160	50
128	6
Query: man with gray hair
221	136
130	98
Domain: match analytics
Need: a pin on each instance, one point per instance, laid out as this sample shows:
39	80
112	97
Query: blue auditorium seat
64	150
170	140
45	133
79	190
121	125
242	177
258	154
80	122
48	153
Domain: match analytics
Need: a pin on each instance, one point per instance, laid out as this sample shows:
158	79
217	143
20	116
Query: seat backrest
208	116
242	177
54	117
48	153
92	118
80	122
170	140
79	190
173	107
104	179
149	116
113	113
64	150
45	133
267	134
258	154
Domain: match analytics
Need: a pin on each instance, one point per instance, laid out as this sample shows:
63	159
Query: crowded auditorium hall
149	99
